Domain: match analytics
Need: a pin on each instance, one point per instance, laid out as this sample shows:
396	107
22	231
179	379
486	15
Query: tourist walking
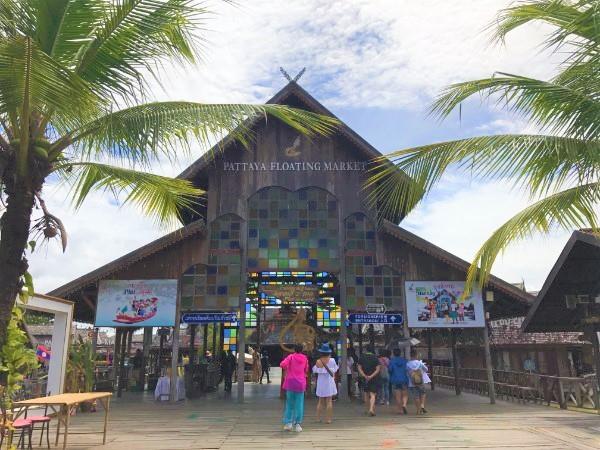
256	369
350	363
228	367
368	369
294	385
384	378
325	367
399	380
417	379
264	364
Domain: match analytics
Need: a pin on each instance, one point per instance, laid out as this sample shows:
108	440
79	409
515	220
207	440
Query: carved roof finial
289	78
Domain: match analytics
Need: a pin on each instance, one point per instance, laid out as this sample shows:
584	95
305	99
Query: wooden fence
581	392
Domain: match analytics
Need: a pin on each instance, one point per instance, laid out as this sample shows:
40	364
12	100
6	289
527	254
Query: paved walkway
216	422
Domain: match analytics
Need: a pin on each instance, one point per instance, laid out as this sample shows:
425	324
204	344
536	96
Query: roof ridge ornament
289	78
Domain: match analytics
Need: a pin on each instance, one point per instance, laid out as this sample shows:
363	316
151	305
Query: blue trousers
294	407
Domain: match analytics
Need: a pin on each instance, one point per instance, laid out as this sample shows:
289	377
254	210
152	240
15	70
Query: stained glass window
216	286
329	317
293	230
365	281
230	337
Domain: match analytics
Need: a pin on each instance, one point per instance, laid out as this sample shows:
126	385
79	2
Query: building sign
440	304
136	303
386	319
375	308
295	166
288	293
195	318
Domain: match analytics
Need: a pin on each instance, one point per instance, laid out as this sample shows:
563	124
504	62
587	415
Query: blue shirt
397	370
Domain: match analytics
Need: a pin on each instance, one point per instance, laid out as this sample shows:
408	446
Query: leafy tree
558	168
73	78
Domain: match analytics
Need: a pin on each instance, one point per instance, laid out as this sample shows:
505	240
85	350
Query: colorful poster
440	304
136	303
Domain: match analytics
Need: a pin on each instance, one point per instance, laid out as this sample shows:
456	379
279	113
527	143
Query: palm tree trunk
14	233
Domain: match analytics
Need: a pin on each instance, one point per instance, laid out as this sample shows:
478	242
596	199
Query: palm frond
537	163
579	19
161	198
556	108
50	86
17	18
144	133
135	38
569	209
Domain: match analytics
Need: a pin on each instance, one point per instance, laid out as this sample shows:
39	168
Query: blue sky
377	64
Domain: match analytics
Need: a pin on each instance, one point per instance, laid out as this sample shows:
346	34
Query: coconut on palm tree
559	168
73	77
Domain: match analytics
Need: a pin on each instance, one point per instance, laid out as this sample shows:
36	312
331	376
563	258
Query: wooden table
62	405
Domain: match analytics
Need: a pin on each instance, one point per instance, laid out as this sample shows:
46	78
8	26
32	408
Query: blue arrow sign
386	319
196	318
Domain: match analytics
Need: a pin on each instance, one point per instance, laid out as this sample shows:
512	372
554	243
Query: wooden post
147	343
175	347
214	340
455	362
129	341
204	340
122	362
115	363
372	335
241	338
258	324
360	339
595	337
488	362
193	344
430	356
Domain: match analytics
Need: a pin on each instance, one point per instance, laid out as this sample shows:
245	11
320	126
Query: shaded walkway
454	422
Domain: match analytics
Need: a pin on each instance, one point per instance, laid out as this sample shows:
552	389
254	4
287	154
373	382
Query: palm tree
559	168
73	77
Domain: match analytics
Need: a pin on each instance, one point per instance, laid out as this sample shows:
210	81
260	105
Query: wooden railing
581	392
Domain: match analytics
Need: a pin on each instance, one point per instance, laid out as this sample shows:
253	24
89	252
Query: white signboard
136	303
440	304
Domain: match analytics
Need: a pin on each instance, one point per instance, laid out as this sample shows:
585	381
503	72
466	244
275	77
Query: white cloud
466	214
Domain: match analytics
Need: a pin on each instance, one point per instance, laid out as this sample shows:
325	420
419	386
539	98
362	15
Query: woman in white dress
325	368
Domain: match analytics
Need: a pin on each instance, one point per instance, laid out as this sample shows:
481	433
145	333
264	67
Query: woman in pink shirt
294	385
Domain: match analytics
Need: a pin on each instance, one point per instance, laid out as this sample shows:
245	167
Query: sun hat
324	349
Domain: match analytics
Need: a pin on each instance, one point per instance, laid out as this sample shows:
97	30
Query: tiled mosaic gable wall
365	281
293	230
217	284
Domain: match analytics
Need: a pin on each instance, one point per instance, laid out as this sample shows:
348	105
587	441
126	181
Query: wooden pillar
175	347
214	340
147	343
221	338
193	344
455	362
489	368
372	335
161	346
241	340
258	323
94	340
430	355
116	350
595	338
124	336
204	340
360	339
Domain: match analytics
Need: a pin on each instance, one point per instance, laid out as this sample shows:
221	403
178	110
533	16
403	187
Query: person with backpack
417	379
325	367
294	385
368	369
399	380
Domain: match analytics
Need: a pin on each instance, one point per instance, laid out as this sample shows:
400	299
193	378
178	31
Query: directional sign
196	318
386	319
375	308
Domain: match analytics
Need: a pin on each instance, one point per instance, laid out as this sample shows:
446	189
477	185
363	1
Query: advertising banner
440	304
136	303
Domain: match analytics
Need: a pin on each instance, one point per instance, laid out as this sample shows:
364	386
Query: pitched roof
130	258
453	260
508	332
292	91
579	259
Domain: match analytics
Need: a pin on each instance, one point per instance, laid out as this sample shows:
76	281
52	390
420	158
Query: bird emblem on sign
293	150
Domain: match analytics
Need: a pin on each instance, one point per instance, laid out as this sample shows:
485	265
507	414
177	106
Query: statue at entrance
302	333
